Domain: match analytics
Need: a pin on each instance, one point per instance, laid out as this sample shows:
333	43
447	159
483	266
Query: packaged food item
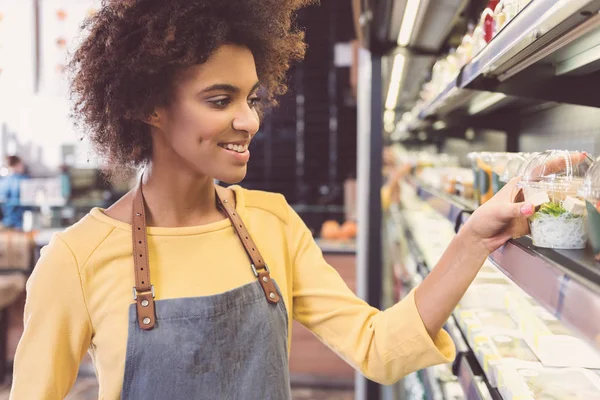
488	296
488	20
590	192
498	162
541	383
484	170
523	4
501	348
499	17
511	169
473	159
552	342
511	9
475	321
551	181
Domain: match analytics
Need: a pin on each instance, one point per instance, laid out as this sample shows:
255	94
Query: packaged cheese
501	348
542	383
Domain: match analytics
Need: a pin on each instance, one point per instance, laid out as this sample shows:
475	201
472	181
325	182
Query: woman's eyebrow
226	87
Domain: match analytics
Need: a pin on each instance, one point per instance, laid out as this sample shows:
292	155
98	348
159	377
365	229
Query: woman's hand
499	219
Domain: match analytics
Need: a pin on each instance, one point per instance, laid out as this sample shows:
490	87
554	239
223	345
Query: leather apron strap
143	292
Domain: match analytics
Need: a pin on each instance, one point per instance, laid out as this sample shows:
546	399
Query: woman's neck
179	198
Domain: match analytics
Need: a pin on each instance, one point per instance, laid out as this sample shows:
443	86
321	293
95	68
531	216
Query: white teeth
241	148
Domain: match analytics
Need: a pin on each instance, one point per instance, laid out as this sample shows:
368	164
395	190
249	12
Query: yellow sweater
81	289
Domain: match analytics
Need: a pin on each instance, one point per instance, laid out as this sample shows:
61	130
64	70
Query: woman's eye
254	101
221	103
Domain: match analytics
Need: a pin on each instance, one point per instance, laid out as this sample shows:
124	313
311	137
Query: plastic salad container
498	163
551	181
590	191
511	169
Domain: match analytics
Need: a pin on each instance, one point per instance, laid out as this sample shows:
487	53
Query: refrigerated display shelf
474	385
542	29
565	282
453	208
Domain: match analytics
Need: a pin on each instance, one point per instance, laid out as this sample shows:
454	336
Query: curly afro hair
126	65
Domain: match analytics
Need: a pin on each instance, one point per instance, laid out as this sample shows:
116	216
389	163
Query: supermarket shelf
565	282
454	209
433	391
524	40
559	37
474	383
466	367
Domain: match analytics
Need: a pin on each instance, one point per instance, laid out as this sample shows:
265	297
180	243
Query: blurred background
404	117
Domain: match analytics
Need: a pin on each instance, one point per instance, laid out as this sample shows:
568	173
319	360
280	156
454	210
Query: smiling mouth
238	148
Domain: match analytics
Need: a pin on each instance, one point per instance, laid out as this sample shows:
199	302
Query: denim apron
229	346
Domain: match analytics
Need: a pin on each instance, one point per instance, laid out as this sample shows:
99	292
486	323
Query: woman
178	87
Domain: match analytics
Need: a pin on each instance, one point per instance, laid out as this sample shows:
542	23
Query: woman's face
212	118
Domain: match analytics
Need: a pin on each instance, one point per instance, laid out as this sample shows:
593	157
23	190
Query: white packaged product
488	296
497	349
530	383
550	340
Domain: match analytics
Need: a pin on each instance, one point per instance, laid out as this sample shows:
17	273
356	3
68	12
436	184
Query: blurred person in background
177	89
10	192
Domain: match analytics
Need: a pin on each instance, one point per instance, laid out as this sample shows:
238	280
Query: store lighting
483	103
389	117
394	88
408	22
439	125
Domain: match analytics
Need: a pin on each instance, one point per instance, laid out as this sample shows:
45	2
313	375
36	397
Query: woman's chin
232	177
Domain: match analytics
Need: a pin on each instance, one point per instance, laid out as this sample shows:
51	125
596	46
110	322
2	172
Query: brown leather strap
259	267
143	292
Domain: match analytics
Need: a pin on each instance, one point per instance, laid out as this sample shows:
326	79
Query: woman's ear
155	119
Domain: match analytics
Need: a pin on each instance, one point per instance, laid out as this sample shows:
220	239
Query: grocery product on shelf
511	169
551	181
472	322
484	176
590	192
541	383
549	339
488	296
330	230
497	349
498	163
488	20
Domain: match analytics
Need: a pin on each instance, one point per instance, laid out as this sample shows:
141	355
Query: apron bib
227	346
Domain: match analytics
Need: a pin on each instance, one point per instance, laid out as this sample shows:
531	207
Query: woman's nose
247	120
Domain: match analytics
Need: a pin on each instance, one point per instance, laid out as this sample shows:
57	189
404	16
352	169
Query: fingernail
527	209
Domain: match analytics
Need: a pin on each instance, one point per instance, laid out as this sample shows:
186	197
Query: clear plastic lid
498	162
511	169
591	182
557	169
523	165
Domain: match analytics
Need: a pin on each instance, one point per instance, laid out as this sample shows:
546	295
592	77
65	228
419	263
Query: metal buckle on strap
256	272
135	293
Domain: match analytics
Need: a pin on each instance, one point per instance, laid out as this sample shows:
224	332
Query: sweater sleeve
57	331
384	345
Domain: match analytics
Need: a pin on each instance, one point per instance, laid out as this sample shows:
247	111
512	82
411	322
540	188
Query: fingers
516	211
